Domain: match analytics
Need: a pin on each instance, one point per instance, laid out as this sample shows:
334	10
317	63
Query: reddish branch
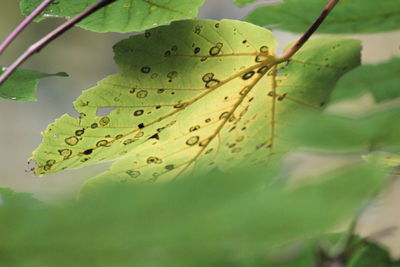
35	48
303	39
23	25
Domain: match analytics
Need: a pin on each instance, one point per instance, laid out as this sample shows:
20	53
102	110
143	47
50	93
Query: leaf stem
36	47
13	35
304	38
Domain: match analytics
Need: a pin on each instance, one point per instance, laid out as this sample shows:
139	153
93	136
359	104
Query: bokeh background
87	57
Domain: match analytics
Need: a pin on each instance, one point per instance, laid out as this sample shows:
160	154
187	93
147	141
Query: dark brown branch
23	25
303	39
35	48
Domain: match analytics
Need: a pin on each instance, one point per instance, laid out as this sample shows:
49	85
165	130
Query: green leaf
244	2
121	16
213	220
193	96
382	81
373	132
10	200
368	253
22	84
349	16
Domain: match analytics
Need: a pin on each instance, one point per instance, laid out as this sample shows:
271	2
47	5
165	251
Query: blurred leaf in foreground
214	220
244	2
382	81
367	253
22	84
11	200
378	131
353	16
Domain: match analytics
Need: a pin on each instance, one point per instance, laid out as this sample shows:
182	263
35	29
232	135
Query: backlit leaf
22	84
121	16
349	16
193	96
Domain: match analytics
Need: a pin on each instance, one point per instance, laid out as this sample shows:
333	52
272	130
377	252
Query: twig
35	48
23	25
303	39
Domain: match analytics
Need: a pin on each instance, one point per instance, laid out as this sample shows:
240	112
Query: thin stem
23	25
36	47
303	39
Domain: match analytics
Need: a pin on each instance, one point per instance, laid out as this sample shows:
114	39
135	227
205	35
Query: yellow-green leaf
192	96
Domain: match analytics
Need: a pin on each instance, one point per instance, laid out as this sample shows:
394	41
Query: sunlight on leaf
121	16
194	96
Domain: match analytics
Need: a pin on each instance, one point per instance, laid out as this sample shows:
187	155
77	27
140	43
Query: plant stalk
304	38
13	35
36	47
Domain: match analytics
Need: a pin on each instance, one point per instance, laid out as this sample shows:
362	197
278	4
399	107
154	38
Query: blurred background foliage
87	58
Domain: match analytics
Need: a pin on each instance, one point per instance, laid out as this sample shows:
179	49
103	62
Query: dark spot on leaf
79	132
72	141
133	173
138	112
102	143
170	167
88	151
145	70
248	75
193	140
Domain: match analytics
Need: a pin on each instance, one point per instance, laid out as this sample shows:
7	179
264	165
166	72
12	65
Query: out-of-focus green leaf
371	254
382	81
377	131
244	2
11	200
121	16
356	252
217	220
22	84
193	96
349	16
